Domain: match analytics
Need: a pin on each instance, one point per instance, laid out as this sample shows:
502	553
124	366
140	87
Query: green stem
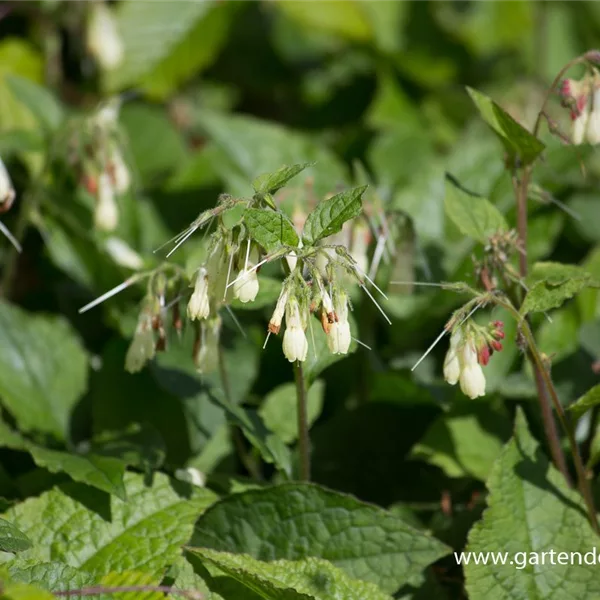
303	439
582	479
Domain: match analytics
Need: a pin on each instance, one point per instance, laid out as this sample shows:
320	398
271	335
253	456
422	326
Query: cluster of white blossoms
98	157
583	99
213	279
470	349
104	42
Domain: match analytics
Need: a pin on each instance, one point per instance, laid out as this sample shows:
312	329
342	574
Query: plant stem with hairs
303	438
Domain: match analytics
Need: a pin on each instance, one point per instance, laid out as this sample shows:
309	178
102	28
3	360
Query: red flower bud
498	324
499	335
496	345
483	356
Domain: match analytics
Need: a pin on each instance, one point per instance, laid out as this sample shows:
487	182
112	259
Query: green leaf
476	217
344	18
248	146
11	539
193	53
518	142
271	447
308	579
132	578
270	229
530	511
280	408
52	576
269	183
590	399
23	591
75	525
165	44
466	441
554	283
282	522
42	104
329	215
43	370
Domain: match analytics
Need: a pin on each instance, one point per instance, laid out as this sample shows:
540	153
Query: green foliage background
93	483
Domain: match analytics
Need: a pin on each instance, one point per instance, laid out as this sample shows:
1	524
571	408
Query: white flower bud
275	322
191	475
123	254
295	344
246	286
107	211
292	260
593	123
206	356
579	127
119	172
361	237
472	381
103	39
199	306
7	191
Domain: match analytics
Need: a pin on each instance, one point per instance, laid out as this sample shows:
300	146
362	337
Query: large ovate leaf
518	142
295	521
531	510
307	579
476	217
329	215
11	538
52	576
75	525
270	229
551	284
43	370
590	399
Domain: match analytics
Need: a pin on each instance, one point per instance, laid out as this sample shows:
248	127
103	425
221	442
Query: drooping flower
199	306
470	349
206	348
123	254
339	336
451	362
246	286
472	379
277	316
103	39
106	216
142	347
295	344
583	98
7	191
119	172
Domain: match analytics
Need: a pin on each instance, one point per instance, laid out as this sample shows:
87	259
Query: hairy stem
303	439
582	480
521	189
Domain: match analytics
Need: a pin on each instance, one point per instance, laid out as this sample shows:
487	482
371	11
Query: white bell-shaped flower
472	379
452	362
295	344
103	39
123	254
7	191
199	306
246	285
120	173
339	336
106	216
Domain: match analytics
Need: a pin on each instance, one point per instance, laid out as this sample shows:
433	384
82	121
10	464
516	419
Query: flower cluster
97	156
471	347
583	99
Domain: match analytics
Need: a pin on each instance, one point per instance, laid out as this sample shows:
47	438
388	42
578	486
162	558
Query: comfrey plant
503	275
248	233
